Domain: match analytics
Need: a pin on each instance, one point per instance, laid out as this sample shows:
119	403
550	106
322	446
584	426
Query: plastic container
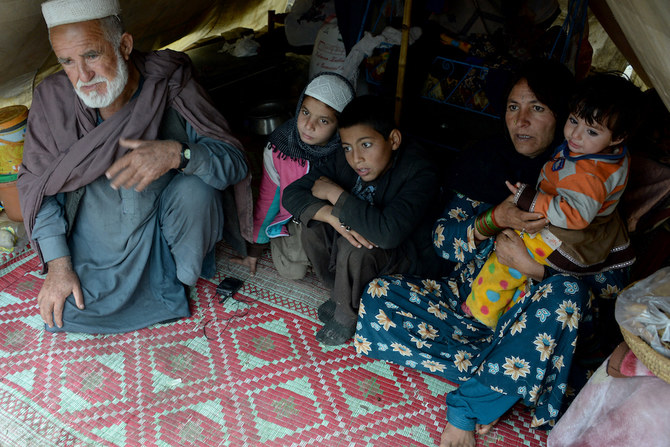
13	120
9	196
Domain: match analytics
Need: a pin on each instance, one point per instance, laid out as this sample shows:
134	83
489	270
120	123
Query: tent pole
402	60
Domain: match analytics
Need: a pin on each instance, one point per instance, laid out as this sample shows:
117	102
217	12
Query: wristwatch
185	156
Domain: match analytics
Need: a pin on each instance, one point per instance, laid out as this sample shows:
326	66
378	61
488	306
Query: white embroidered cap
61	12
331	89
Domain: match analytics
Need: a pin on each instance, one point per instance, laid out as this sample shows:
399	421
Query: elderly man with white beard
125	159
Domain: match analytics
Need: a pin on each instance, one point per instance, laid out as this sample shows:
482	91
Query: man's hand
147	161
507	215
325	189
61	281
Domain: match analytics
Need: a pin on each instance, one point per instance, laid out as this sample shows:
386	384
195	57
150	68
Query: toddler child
368	213
577	191
307	140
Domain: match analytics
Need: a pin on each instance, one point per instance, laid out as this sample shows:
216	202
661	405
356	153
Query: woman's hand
508	215
512	252
325	189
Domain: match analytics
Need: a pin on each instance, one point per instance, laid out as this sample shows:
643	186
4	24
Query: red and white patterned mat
244	373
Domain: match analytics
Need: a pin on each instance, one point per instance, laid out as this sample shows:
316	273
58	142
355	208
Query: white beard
114	87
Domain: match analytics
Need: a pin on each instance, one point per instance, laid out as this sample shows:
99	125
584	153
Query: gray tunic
128	248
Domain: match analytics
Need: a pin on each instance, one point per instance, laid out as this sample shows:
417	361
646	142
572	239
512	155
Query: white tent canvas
638	28
27	55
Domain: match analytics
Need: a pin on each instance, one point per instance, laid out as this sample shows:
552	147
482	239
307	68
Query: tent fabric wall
645	25
26	54
639	28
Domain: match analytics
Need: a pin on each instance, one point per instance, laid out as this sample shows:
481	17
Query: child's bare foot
484	429
455	437
248	261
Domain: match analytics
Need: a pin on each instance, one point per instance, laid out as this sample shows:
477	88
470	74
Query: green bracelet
486	225
491	221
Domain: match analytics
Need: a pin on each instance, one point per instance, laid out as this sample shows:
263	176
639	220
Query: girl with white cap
308	139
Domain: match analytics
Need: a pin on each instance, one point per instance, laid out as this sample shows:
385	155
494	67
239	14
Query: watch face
187	154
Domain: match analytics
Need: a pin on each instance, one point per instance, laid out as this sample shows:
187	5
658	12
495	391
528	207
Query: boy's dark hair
369	110
610	100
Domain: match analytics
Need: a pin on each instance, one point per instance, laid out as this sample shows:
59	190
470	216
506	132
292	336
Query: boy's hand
325	189
355	239
349	234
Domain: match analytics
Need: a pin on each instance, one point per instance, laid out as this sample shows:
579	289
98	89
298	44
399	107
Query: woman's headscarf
479	172
331	89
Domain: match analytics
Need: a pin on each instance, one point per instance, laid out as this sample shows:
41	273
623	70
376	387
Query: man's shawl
64	149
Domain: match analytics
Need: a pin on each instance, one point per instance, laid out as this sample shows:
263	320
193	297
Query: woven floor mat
247	372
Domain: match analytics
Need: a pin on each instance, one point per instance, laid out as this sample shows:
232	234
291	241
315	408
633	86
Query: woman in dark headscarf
536	108
419	322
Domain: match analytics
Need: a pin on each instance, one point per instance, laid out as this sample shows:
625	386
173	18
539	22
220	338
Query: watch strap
184	158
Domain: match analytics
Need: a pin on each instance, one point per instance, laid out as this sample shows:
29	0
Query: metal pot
264	118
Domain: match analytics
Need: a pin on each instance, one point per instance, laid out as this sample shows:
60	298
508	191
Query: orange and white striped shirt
573	189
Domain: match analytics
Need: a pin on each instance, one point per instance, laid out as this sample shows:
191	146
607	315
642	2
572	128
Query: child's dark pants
345	269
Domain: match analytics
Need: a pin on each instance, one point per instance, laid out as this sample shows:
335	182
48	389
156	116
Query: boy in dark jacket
368	213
